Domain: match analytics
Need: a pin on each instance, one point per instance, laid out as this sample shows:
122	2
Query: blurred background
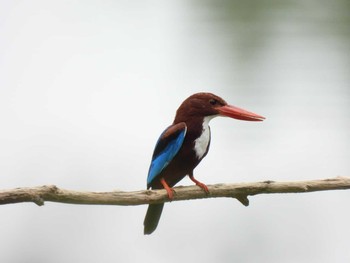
87	87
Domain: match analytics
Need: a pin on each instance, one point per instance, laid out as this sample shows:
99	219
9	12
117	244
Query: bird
182	146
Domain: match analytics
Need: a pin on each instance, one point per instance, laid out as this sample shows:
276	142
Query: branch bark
240	191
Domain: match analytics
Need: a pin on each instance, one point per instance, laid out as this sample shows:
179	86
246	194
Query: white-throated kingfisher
182	146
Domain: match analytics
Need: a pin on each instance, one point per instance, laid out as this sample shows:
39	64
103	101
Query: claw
169	190
201	185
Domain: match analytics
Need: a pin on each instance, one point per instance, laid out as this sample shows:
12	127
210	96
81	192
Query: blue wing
168	145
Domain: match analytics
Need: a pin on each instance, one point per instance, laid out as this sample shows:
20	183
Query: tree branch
240	191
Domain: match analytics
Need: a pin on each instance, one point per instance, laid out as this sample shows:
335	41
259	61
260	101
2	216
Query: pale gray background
86	87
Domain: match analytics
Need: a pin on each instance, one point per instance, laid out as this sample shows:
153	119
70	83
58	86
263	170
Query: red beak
239	114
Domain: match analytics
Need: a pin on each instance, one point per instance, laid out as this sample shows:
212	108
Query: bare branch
240	191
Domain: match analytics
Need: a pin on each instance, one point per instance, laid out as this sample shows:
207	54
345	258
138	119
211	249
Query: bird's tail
152	218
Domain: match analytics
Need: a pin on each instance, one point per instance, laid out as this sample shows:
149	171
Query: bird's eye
213	101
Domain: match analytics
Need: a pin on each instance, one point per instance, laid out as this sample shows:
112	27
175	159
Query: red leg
201	185
168	189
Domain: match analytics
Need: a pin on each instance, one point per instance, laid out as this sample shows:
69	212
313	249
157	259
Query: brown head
203	104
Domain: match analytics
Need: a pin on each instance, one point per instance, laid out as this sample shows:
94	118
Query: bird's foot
168	189
201	185
204	187
170	193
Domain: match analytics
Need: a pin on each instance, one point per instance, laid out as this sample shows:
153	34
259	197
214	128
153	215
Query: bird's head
202	105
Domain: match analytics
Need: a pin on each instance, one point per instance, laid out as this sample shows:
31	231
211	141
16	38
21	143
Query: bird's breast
201	144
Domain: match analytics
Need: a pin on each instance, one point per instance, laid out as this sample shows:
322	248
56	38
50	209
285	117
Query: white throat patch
202	142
